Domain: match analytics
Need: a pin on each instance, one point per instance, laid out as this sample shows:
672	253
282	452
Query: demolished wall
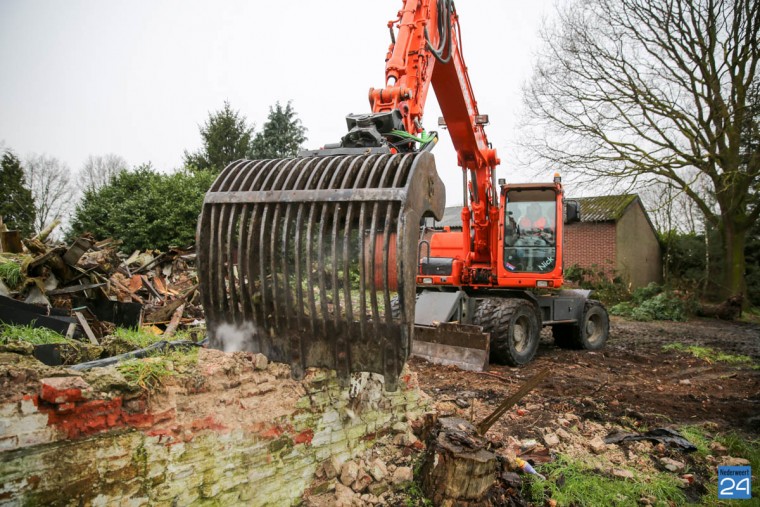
229	429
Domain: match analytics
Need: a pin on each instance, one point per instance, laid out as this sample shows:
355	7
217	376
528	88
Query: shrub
144	209
655	302
607	290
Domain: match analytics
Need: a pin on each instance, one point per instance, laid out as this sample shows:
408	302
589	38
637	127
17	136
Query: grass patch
184	359
751	315
139	338
571	482
10	273
708	354
149	374
737	445
29	334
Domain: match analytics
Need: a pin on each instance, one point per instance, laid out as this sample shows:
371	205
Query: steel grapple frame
299	258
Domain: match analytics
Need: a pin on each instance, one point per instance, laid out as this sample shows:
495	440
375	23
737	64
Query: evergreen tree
282	135
144	208
226	138
16	203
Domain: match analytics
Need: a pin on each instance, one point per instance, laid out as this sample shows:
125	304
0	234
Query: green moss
284	442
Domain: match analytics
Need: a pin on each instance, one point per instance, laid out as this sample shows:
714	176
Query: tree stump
458	470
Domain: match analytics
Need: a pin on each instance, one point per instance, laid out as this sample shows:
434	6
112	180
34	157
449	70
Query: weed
33	335
184	360
751	315
149	373
415	497
571	482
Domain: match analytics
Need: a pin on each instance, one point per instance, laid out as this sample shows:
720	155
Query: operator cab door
530	231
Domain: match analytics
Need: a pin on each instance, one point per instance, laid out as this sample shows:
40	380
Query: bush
655	302
144	209
608	291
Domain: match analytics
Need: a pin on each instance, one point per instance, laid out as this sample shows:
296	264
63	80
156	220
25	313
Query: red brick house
615	235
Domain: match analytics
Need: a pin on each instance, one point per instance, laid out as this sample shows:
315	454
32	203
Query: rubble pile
380	476
88	288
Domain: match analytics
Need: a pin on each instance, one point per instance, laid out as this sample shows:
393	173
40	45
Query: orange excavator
317	260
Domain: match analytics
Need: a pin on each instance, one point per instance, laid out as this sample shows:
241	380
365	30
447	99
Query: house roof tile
604	208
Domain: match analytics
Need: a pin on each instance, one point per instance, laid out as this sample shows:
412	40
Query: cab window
529	231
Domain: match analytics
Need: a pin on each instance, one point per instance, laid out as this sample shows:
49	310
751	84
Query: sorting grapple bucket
299	258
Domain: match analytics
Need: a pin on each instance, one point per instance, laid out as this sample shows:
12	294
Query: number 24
734	486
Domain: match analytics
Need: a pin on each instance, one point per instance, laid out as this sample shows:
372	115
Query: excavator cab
530	240
530	254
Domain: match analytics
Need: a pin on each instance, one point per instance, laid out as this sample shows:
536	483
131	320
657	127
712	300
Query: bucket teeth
299	258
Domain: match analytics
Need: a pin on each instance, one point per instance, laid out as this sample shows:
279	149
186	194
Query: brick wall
591	243
235	431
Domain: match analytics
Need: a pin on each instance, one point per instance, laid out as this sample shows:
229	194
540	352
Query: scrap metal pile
86	289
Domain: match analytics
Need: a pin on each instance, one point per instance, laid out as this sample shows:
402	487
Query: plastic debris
528	468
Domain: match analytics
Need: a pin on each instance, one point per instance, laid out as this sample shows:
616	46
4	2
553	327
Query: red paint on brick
64	408
207	423
304	437
140	420
272	432
86	418
63	389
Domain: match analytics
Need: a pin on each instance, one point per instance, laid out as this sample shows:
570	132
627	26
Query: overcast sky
136	78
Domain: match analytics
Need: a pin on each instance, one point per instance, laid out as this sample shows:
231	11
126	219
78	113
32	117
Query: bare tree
99	170
656	91
52	191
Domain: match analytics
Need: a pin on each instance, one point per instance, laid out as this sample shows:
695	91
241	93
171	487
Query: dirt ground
632	385
631	378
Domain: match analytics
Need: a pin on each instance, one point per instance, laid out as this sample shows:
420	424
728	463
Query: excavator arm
428	51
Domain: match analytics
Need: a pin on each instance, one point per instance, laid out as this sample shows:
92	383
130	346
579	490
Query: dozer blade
298	258
441	339
465	346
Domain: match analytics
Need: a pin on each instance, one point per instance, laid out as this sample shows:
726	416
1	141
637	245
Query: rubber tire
502	317
395	308
591	334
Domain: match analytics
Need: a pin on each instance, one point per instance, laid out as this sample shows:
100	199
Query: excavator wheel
514	327
590	334
298	258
